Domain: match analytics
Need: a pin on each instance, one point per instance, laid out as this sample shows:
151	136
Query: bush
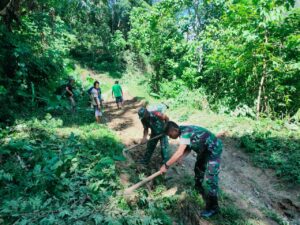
278	153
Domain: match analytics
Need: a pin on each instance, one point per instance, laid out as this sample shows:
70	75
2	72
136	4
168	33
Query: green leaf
119	158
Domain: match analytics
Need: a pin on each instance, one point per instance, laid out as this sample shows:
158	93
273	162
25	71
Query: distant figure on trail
70	93
208	148
96	101
154	120
117	92
99	95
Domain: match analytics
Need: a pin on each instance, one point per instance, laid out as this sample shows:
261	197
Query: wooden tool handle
127	149
137	185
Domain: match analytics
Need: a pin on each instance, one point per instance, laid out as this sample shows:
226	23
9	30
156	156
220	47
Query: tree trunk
197	27
262	82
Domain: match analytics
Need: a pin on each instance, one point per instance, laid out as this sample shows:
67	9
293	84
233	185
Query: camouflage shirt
200	139
154	122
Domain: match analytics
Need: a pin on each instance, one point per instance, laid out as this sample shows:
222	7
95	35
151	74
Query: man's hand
163	169
144	140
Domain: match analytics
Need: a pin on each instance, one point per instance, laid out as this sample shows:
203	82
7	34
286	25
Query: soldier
208	148
154	120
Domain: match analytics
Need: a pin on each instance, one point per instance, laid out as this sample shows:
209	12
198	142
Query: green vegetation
276	150
272	144
55	173
51	178
241	53
225	65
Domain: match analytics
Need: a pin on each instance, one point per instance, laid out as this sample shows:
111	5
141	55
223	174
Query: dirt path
252	189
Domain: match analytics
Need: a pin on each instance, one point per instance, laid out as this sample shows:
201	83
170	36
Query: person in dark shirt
70	93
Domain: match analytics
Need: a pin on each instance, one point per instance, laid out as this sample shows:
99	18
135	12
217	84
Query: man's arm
97	102
68	90
177	155
144	140
96	98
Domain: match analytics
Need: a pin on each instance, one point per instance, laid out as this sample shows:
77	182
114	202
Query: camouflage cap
141	112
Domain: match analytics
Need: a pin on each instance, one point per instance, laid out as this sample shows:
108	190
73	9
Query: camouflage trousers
151	145
207	170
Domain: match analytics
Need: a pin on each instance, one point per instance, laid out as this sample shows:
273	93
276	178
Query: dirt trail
251	188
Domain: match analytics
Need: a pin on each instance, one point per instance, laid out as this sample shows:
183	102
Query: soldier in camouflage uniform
154	120
208	148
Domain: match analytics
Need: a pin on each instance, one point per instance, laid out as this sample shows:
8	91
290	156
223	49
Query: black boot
212	207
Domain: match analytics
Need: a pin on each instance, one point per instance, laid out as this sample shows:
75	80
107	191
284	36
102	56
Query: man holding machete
208	148
154	120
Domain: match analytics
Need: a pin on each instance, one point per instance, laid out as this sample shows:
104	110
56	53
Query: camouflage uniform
157	127
208	149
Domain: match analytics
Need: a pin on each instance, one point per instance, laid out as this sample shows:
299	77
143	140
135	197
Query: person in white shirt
96	101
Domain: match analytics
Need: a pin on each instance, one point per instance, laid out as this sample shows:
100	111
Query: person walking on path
70	94
154	120
96	101
117	92
99	95
208	148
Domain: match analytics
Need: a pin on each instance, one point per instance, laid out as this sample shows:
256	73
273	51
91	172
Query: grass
273	144
50	172
63	168
275	217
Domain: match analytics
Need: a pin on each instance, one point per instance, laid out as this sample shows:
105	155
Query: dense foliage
38	37
50	175
49	179
240	57
240	52
277	148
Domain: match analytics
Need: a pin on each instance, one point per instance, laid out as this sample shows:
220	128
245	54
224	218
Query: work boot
212	207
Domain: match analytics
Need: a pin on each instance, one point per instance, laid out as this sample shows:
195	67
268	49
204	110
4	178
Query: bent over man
154	120
208	148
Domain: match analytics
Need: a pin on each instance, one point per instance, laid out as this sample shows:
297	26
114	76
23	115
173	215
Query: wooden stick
127	149
132	147
137	185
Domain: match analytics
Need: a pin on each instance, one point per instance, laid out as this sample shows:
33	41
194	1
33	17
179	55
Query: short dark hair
169	126
116	82
96	82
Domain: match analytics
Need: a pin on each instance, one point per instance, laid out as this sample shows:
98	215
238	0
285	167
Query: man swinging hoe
208	148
